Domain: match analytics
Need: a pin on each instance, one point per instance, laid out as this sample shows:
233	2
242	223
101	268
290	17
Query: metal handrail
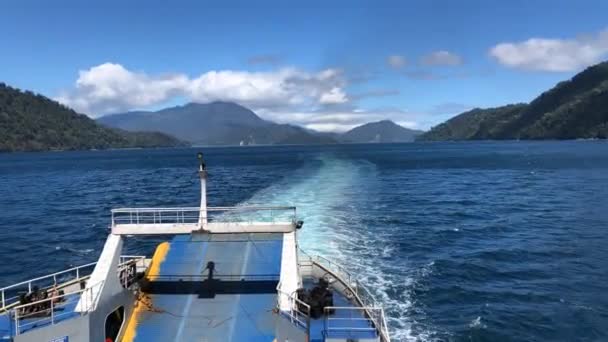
361	293
244	208
9	302
367	311
54	303
194	215
294	312
331	265
77	270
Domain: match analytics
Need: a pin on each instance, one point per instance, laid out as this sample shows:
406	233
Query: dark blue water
460	241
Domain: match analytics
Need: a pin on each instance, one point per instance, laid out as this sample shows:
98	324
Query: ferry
224	274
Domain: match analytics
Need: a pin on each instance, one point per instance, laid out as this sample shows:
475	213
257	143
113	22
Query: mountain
215	123
31	122
476	124
384	131
577	108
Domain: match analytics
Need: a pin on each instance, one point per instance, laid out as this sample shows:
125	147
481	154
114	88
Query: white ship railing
9	295
50	310
294	314
192	215
360	292
351	323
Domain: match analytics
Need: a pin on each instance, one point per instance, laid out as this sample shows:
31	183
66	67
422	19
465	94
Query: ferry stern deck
225	274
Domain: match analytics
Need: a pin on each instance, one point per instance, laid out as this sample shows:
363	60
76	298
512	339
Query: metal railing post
325	322
16	322
78	273
3	300
308	323
52	312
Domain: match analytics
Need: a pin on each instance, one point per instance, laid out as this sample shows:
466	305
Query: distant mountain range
227	123
384	131
577	108
573	109
31	122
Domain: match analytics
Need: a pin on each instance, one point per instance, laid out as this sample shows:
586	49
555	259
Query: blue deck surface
241	315
6	328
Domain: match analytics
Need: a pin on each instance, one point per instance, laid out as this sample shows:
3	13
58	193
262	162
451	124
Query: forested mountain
31	122
384	131
577	108
215	123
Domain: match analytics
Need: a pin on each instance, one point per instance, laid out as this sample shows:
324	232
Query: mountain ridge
214	123
228	123
33	122
573	109
383	131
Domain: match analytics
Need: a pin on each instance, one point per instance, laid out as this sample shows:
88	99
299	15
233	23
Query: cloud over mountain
110	87
316	100
551	54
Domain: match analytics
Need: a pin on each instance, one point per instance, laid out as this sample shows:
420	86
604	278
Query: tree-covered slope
31	122
475	124
577	108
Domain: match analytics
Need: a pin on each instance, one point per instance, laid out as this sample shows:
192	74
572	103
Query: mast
202	172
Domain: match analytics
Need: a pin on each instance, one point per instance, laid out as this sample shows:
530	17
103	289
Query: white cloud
396	61
109	87
316	100
334	96
556	55
441	58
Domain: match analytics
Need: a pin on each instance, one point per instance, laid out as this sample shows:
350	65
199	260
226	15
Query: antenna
202	172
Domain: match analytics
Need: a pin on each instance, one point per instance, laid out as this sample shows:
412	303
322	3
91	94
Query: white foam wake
331	197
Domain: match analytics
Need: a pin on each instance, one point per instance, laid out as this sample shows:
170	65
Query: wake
331	196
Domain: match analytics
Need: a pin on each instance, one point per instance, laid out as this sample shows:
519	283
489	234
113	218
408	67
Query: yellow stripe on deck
151	274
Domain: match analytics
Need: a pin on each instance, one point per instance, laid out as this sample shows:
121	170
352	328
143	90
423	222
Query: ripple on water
463	241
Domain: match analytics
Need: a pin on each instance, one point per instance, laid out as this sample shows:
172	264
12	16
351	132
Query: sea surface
488	241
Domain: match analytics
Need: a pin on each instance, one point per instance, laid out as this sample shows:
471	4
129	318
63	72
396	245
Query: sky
324	65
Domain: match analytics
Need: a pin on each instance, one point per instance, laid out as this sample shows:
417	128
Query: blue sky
323	65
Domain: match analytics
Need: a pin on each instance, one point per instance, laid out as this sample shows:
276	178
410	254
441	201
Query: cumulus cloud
396	61
317	100
334	96
109	87
556	55
441	57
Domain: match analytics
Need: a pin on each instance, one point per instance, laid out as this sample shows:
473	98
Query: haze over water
460	241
